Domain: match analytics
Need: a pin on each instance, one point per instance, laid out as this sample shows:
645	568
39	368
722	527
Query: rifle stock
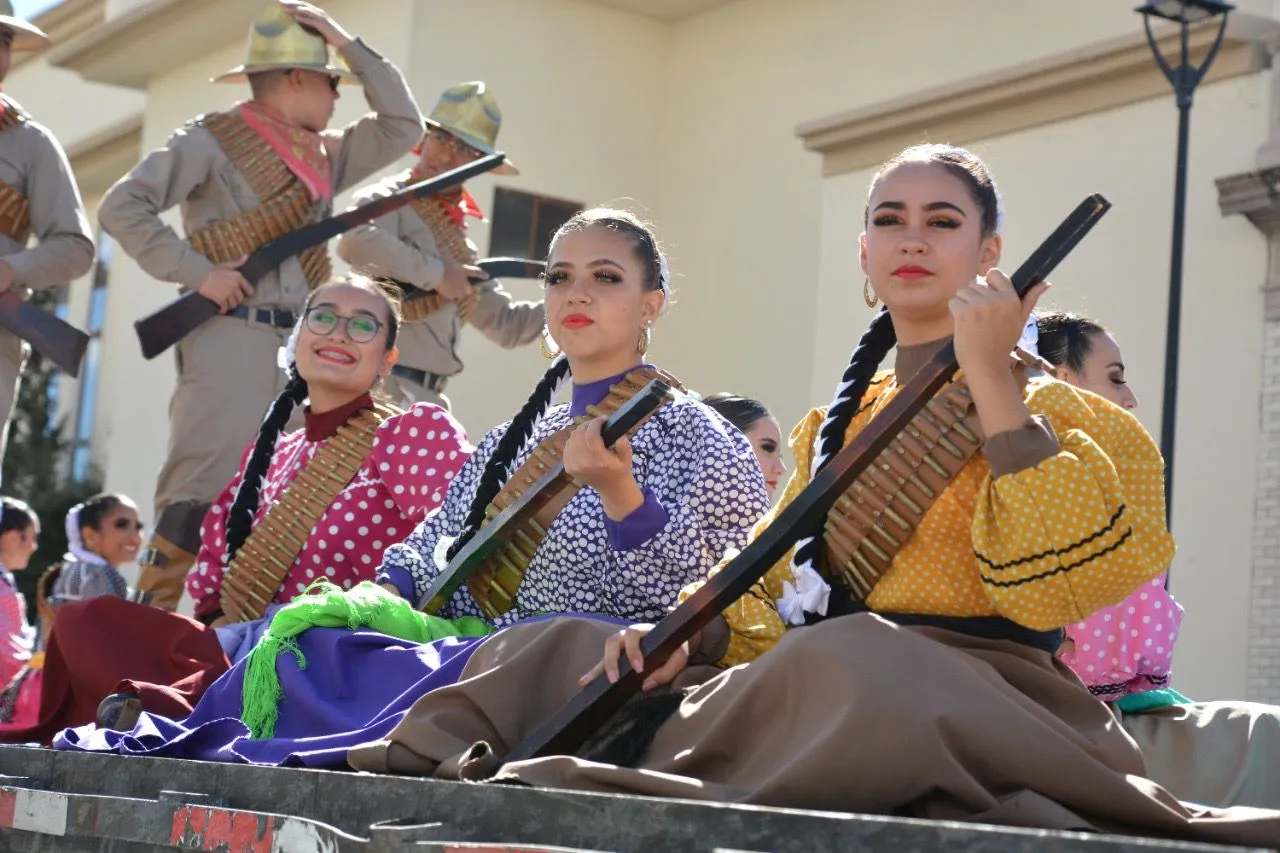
565	733
164	328
52	337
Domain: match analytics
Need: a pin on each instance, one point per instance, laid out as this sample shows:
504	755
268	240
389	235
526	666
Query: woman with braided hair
913	672
317	504
398	467
659	510
654	512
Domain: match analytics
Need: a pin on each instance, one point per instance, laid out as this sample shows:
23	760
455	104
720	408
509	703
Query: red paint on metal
222	830
8	803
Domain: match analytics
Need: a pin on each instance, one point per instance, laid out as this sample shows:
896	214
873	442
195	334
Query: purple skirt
356	687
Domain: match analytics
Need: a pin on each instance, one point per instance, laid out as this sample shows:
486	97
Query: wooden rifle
50	335
497	532
493	267
583	715
164	328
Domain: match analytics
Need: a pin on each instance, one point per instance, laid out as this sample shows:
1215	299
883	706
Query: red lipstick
911	271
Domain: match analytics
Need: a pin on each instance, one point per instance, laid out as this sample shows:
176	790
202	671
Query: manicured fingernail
637	664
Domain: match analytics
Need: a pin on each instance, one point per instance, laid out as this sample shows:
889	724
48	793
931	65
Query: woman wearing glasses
321	503
103	533
398	465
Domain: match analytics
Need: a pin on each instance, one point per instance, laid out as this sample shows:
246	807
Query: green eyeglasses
360	328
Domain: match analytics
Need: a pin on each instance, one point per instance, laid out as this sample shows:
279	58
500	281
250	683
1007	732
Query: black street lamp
1184	78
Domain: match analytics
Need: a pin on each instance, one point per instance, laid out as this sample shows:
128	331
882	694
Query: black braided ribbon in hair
872	347
518	432
245	506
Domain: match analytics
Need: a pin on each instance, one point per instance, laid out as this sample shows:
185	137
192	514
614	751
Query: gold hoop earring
646	338
869	295
547	352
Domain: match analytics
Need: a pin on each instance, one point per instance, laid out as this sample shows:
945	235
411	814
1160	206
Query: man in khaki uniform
243	177
38	196
424	246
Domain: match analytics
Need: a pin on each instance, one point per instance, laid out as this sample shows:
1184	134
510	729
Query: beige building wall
696	123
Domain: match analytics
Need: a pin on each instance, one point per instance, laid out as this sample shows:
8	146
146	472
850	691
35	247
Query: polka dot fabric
1127	647
415	455
1045	547
699	469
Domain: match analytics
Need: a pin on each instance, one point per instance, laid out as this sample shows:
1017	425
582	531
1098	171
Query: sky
30	8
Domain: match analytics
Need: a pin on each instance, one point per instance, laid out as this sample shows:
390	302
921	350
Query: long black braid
245	506
872	347
498	468
880	336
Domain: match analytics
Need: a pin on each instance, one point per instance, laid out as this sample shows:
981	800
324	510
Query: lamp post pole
1184	78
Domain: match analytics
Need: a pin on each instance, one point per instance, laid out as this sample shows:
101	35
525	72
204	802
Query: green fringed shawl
325	605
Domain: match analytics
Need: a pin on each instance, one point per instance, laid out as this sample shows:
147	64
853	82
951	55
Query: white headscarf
76	548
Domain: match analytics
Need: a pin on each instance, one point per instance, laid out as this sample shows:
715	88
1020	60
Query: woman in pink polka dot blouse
1219	753
343	345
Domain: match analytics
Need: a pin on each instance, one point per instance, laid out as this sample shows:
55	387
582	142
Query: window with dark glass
522	223
82	446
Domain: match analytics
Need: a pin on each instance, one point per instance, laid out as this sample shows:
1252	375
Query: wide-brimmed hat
470	113
278	42
26	36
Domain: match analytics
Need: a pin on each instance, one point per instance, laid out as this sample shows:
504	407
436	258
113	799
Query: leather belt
432	381
281	318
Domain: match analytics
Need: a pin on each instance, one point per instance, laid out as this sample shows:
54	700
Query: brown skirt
854	715
1219	753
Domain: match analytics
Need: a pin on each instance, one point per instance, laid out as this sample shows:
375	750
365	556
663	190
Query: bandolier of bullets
285	203
263	562
495	584
451	242
15	220
872	520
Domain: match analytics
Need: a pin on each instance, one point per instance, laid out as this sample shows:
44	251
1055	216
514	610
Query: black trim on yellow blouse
1060	552
1069	567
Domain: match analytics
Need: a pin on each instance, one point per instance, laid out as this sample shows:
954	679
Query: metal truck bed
69	801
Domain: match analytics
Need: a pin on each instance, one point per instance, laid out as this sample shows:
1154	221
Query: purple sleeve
641	525
709	491
401	579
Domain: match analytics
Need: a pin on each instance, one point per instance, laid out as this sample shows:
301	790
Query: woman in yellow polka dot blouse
946	700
